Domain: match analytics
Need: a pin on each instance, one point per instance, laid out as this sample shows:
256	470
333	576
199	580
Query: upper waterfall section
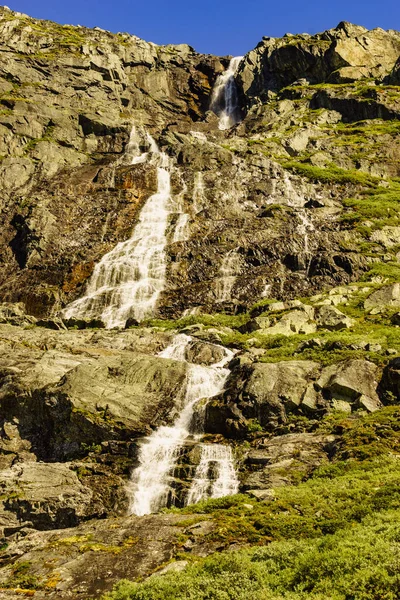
128	280
225	98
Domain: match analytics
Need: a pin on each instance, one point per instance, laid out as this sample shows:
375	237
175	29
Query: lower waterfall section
215	475
150	485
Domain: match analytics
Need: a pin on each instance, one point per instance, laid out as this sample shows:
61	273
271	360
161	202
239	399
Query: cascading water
224	98
150	482
182	228
215	475
227	276
198	192
128	280
297	201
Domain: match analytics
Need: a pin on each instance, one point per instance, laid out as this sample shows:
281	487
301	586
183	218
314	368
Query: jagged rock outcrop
341	55
268	393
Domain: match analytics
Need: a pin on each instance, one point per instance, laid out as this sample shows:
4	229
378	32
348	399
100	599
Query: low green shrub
331	174
361	563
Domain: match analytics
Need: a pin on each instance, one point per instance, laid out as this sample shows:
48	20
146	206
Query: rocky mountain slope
287	254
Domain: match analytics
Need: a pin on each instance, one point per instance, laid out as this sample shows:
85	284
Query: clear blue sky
214	26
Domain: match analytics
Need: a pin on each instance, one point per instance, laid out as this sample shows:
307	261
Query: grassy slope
334	536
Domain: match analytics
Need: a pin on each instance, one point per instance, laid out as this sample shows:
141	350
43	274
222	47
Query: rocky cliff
289	257
70	97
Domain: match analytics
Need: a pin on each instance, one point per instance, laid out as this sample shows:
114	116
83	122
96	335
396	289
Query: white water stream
297	201
128	280
224	98
229	269
215	475
150	482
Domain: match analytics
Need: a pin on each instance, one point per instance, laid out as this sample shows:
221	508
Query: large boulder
388	295
329	317
284	460
202	353
44	496
350	385
266	392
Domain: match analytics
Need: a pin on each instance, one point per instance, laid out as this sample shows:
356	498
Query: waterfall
215	475
181	228
150	482
297	201
128	280
228	272
198	192
224	98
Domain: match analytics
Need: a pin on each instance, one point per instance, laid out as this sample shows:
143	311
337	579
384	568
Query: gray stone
349	380
296	454
277	388
333	319
388	295
368	404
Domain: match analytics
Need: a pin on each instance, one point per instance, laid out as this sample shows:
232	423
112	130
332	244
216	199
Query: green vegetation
379	206
215	320
362	564
390	271
22	578
331	174
85	543
336	535
86	448
365	129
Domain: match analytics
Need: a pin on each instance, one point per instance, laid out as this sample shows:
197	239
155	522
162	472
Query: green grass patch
331	174
335	345
335	536
379	206
22	578
388	271
215	320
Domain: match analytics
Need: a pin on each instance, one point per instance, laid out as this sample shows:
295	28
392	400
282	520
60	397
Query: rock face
69	195
268	393
77	401
64	397
284	460
75	561
341	55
